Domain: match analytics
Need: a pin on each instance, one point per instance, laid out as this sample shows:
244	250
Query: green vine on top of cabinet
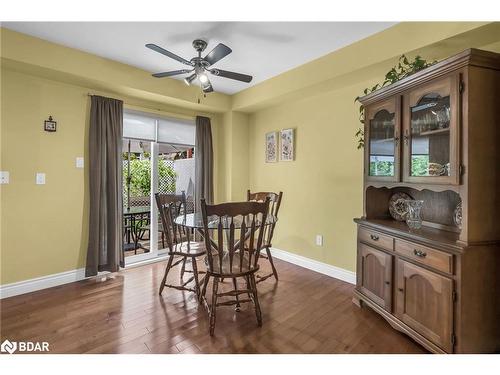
403	69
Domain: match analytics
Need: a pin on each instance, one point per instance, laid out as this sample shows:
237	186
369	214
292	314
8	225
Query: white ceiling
261	49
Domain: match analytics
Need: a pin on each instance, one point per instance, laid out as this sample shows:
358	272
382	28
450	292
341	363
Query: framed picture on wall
272	147
49	125
287	148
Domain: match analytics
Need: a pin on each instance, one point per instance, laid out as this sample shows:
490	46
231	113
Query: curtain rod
178	115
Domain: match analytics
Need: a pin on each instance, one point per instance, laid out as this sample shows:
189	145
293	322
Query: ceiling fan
199	66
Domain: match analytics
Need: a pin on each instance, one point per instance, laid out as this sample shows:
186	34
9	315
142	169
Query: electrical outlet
319	240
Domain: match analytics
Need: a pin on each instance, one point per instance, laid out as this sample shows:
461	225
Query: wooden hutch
435	136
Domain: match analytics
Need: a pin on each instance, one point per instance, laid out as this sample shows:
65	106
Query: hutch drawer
376	239
433	258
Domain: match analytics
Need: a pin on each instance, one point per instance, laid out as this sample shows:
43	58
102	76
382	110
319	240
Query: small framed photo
50	125
272	147
287	147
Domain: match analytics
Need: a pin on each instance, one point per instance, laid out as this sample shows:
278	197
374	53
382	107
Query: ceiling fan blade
231	75
218	53
171	73
163	51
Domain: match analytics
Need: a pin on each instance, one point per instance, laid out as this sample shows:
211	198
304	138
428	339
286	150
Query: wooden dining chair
181	205
179	243
274	206
228	256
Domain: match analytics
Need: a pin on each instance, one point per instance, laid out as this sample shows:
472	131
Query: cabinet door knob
401	290
387	282
419	253
374	237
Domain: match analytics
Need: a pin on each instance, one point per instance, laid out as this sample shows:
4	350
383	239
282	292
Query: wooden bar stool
274	206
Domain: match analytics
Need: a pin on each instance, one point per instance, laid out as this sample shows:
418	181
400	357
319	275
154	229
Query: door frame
154	251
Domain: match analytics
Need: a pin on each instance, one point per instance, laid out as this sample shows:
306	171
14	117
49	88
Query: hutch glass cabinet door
430	133
382	135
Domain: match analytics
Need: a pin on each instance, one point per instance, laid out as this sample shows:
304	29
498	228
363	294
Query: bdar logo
9	347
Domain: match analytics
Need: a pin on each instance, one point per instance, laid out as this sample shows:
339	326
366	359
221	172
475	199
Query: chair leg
258	313
249	288
162	240
213	307
183	268
270	257
235	285
169	265
205	284
195	275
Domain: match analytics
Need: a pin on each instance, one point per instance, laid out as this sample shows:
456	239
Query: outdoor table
133	216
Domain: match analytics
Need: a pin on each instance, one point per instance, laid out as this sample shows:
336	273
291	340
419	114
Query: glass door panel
430	136
431	139
382	129
381	144
136	159
176	174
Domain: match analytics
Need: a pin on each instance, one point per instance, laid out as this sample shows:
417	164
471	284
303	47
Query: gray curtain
105	174
203	154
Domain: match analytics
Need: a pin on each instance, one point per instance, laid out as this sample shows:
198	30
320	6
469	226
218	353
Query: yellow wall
236	159
322	188
44	228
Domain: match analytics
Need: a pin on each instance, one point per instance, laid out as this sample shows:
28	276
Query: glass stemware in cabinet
430	137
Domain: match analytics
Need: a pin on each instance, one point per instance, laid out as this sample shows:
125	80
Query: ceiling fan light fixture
205	85
202	77
190	79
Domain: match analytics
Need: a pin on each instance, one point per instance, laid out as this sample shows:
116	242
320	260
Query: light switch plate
40	178
4	177
79	162
319	240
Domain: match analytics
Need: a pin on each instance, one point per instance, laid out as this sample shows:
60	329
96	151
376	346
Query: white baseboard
49	281
314	265
44	282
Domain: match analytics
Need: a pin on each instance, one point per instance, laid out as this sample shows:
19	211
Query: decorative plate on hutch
397	206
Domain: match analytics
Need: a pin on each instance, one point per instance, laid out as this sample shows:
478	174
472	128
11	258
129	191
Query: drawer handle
374	237
419	253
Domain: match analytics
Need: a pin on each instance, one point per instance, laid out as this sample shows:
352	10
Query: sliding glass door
158	156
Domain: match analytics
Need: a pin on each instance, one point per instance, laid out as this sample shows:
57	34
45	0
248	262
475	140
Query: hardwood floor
305	312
